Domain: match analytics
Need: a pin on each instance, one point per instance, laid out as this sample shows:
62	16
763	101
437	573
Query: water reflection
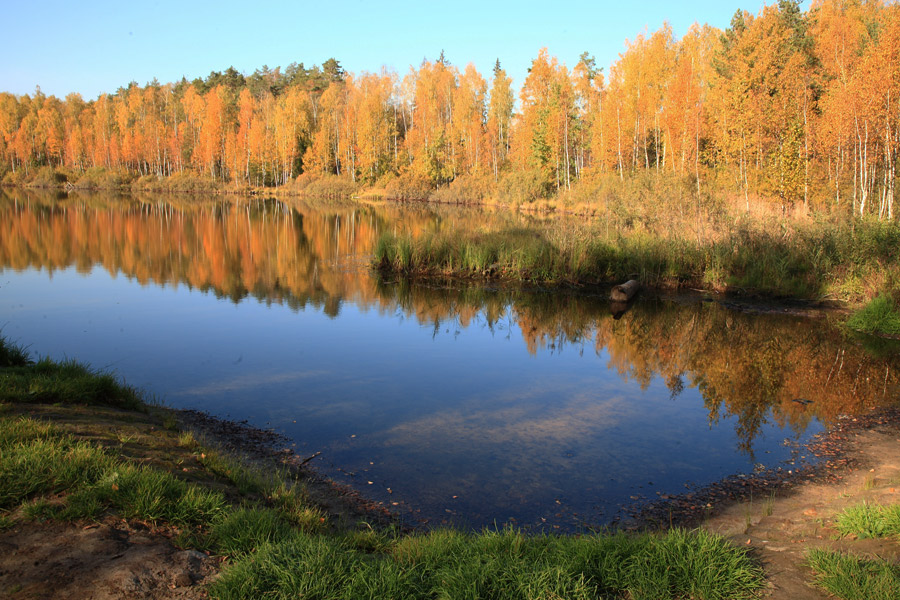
486	402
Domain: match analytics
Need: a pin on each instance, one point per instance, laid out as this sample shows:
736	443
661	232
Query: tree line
802	107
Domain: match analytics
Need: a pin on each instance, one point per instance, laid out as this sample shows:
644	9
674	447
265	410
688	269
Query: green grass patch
13	355
38	461
881	315
246	480
44	462
870	521
501	565
152	495
245	530
853	578
66	382
293	504
289	500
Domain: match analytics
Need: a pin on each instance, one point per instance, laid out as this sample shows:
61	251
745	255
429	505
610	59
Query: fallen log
625	292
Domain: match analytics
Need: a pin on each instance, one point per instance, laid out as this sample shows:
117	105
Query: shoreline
739	300
270	451
835	460
833	451
155	557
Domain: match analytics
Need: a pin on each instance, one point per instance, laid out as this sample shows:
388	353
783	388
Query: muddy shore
827	460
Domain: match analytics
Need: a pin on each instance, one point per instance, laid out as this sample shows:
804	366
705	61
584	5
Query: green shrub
465	189
19	177
47	177
523	187
324	186
182	182
881	315
101	178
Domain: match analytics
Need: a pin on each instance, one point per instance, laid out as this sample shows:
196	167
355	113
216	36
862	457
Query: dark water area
458	402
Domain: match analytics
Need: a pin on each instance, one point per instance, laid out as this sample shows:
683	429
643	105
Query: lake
457	402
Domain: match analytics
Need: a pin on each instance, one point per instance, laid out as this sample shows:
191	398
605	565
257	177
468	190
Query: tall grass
853	578
870	520
13	355
501	565
67	382
814	261
881	315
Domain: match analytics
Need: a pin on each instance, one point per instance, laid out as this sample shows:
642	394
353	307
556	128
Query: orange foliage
787	104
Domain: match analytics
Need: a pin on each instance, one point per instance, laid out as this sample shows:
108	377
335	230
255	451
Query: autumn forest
799	108
396	293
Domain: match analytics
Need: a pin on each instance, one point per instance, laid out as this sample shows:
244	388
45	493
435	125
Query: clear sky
94	47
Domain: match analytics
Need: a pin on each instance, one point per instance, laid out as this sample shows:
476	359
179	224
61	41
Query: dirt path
782	529
98	561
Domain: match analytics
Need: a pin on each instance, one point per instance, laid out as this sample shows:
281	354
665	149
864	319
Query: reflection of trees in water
293	252
309	253
260	248
750	367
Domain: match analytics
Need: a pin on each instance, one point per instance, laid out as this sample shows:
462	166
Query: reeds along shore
810	260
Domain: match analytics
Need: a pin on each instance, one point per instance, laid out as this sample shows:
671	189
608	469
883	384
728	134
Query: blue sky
96	47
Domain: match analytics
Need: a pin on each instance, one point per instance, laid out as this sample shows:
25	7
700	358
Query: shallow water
472	404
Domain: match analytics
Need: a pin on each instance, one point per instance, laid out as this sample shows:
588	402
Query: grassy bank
60	463
812	261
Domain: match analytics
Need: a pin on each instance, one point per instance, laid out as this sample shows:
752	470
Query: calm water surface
459	403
